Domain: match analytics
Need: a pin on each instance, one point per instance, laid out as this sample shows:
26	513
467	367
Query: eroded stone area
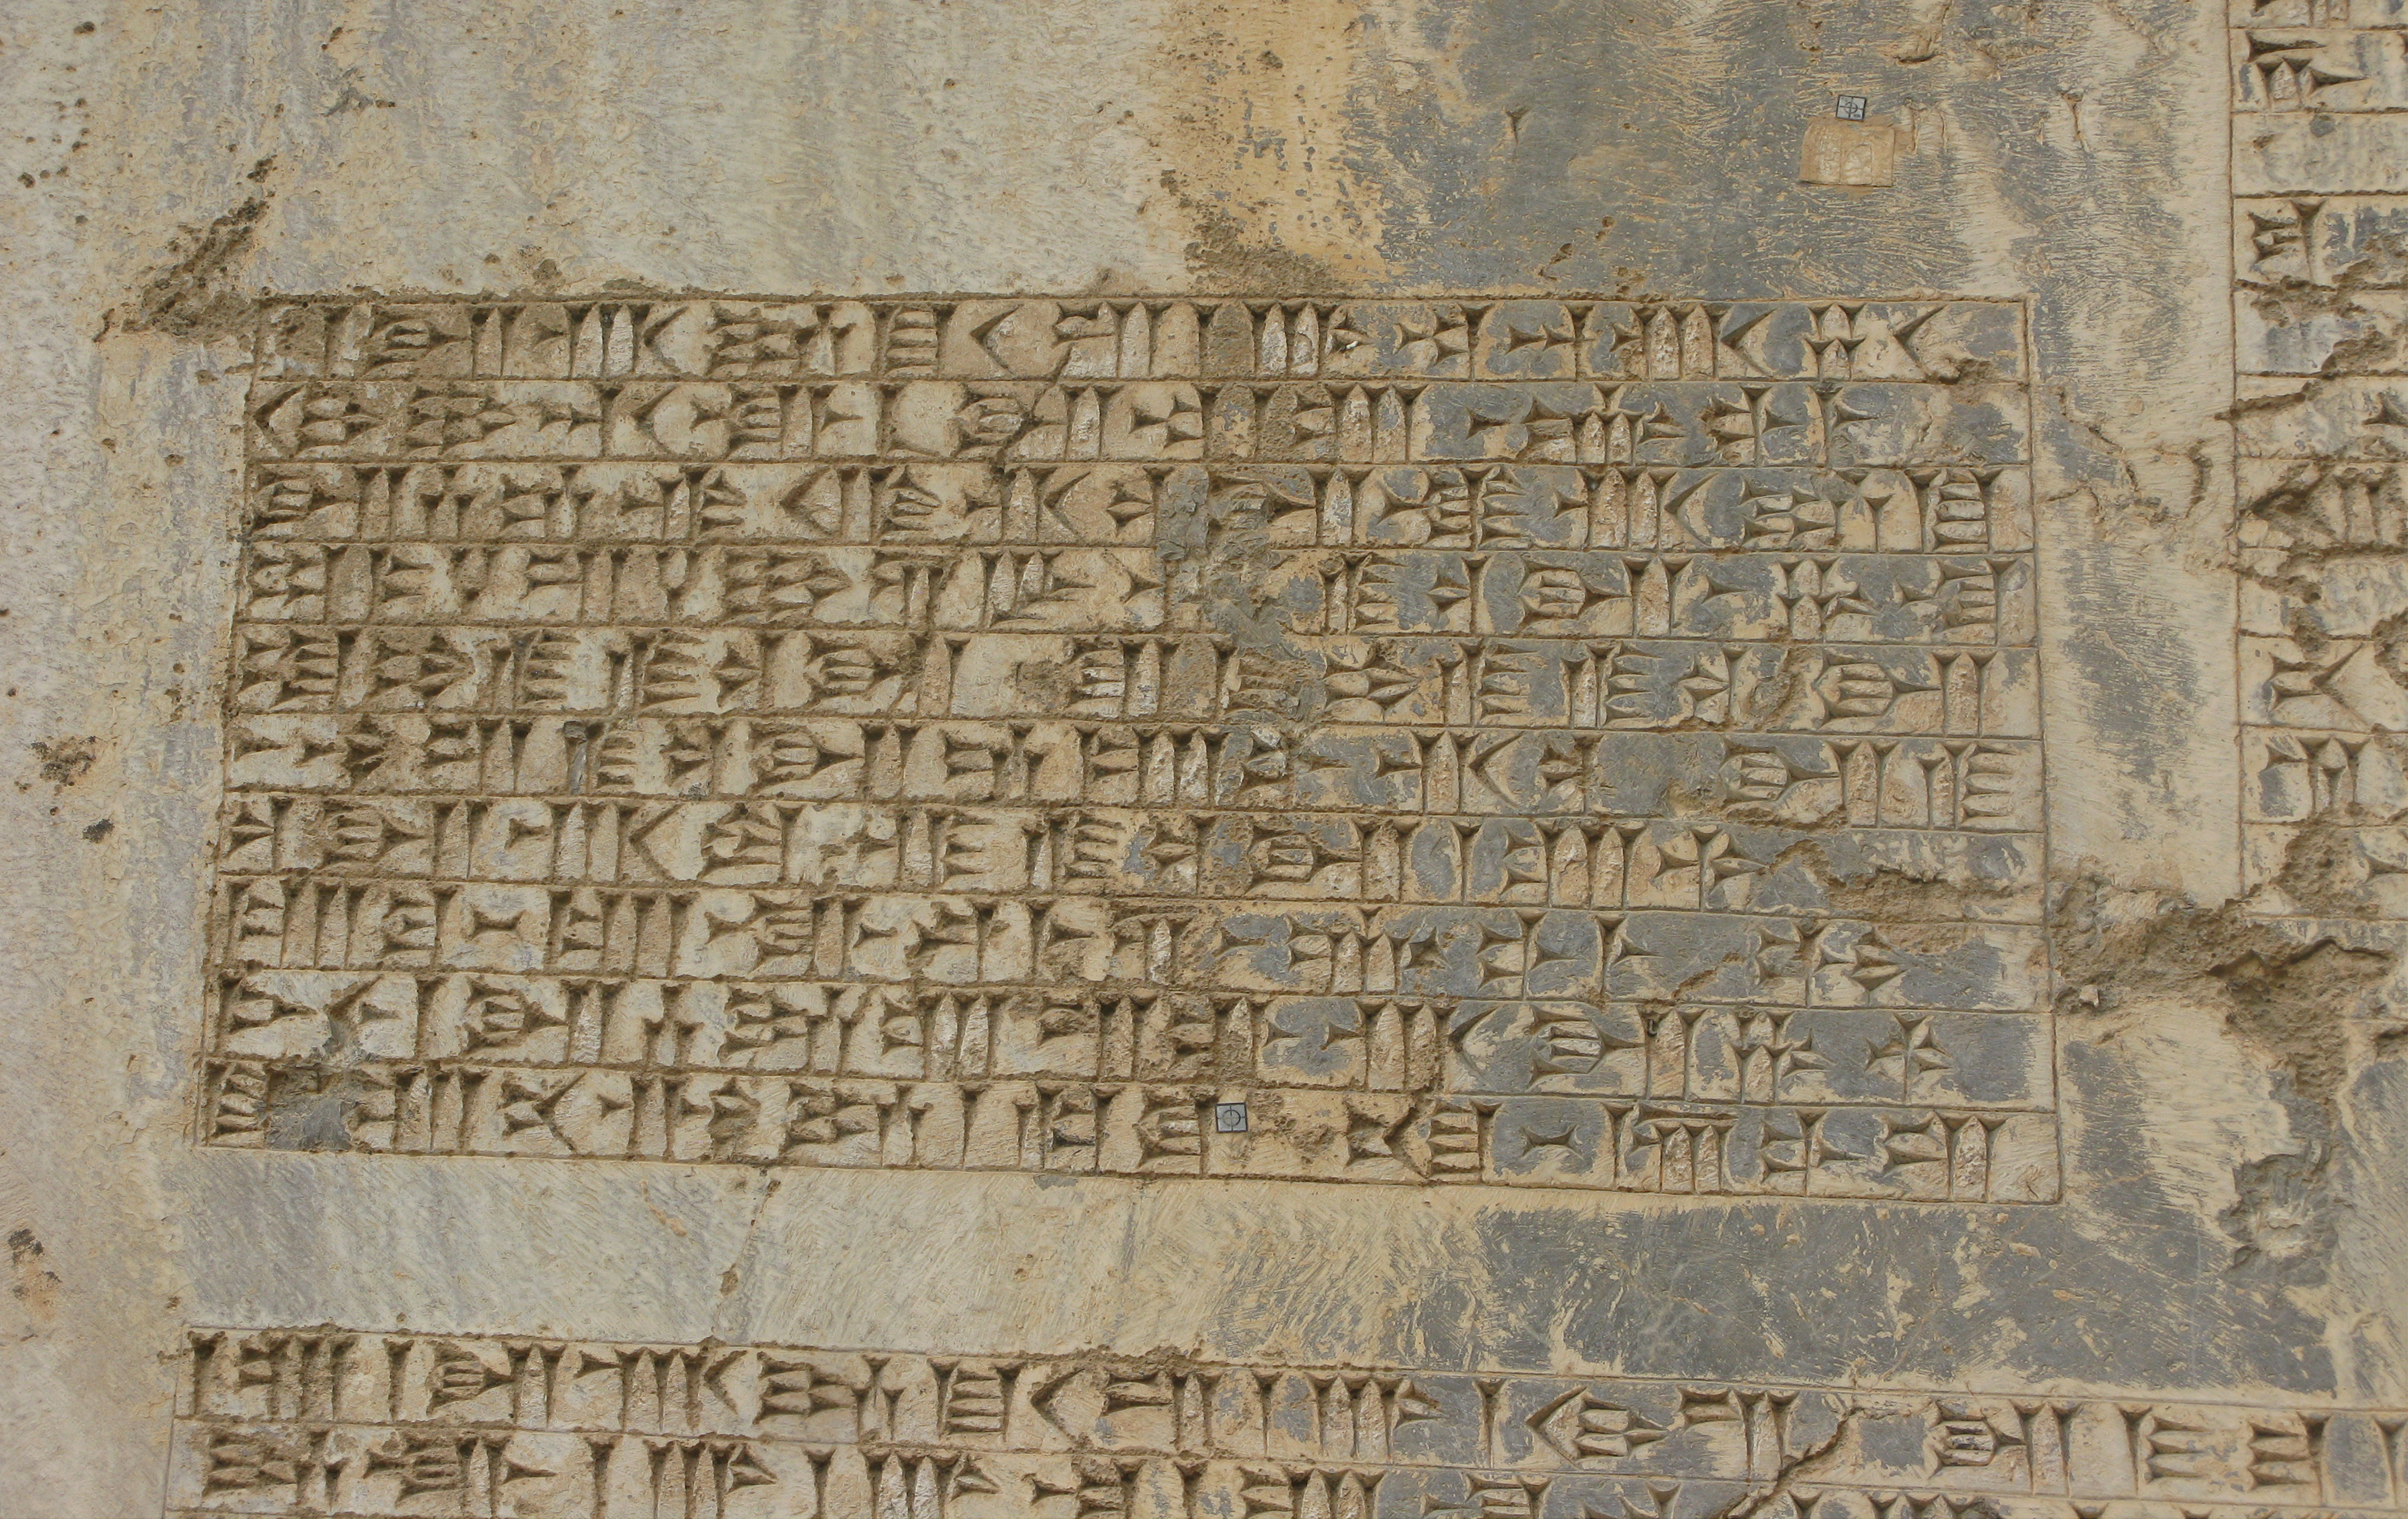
1542	742
326	1421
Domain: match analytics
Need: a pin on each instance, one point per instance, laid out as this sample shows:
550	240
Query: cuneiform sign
1558	743
330	1421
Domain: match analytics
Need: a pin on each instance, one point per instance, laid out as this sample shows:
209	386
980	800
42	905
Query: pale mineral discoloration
2218	867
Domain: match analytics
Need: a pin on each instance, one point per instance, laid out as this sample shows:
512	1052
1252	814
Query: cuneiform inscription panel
2320	441
327	1421
1562	743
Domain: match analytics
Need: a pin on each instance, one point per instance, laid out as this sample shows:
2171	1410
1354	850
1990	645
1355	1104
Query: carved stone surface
293	1422
998	734
1354	759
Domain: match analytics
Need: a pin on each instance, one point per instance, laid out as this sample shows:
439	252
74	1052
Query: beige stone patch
1862	154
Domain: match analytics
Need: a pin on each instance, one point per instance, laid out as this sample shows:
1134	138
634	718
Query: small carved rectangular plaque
1558	743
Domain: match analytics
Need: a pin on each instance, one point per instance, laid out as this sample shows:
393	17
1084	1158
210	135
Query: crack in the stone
1754	1499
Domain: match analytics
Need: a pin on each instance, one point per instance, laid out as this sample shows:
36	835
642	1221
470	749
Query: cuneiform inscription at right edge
321	1421
1564	743
2320	312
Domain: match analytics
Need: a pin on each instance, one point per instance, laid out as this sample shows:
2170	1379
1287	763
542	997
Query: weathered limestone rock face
1360	760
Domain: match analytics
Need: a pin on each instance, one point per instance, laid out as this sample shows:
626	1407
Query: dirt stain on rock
65	761
192	295
33	1284
1264	145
